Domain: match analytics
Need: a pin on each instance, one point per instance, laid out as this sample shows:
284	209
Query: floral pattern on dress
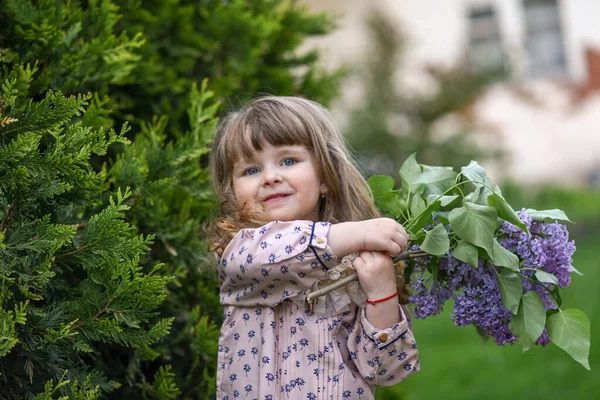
272	347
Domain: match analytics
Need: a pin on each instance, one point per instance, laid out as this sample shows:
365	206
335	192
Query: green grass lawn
456	364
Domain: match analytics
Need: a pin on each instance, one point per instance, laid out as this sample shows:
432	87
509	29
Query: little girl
295	213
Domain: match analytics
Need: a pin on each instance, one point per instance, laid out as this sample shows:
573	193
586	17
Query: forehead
268	150
243	141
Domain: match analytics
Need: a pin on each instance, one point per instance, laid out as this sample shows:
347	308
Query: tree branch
7	216
106	308
70	253
353	277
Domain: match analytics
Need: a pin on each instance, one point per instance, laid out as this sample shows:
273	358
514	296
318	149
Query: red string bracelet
382	299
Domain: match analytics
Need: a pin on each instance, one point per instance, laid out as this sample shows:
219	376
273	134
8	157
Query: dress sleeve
279	260
383	357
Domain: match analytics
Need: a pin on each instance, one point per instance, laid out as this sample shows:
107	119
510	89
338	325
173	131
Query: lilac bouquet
503	269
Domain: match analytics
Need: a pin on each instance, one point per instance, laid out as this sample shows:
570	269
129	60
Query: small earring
323	196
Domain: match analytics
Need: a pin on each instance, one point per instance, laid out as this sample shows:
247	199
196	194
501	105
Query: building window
544	43
485	43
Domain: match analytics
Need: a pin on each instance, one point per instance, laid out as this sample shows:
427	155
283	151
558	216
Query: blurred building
546	113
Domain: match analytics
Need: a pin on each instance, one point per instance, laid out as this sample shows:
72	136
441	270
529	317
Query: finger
402	242
366	255
381	256
358	262
403	232
394	249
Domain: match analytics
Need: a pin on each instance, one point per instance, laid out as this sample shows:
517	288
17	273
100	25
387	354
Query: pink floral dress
272	347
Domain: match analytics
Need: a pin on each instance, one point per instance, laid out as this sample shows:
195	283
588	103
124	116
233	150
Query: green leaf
467	253
410	170
570	330
548	215
543	276
474	172
573	269
436	241
511	288
442	216
386	199
529	322
391	203
417	204
503	257
425	218
435	180
481	193
381	184
505	211
475	224
444	200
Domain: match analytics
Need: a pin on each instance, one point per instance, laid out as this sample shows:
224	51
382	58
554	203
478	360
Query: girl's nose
271	176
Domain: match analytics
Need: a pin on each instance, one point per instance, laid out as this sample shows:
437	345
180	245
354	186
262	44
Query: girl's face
284	179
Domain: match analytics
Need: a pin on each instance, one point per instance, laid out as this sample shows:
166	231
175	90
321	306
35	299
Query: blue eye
252	171
289	161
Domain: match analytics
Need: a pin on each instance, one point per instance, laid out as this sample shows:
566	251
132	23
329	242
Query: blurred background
514	84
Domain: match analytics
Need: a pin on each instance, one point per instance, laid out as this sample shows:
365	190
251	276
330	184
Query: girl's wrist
379	290
384	314
374	301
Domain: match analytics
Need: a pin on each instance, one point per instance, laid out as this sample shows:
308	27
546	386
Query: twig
106	308
7	216
353	277
70	253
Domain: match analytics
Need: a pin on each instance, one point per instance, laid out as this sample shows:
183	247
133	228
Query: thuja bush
140	58
72	287
242	47
74	48
82	290
171	198
137	59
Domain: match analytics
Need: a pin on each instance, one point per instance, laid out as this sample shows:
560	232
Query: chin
282	217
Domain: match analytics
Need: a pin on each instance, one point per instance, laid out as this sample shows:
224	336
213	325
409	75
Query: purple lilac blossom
476	293
428	302
546	248
480	302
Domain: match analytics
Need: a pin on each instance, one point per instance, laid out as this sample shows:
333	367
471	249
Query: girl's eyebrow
297	149
241	165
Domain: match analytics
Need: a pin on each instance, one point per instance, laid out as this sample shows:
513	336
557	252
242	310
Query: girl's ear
323	189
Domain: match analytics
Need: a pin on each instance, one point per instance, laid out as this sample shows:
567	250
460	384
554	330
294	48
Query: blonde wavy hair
279	121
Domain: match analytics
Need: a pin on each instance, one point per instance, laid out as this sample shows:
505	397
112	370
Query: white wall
549	138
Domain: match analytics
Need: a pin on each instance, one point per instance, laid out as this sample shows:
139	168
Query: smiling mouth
275	197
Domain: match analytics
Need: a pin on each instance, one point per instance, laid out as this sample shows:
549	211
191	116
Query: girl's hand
383	234
378	234
376	274
377	277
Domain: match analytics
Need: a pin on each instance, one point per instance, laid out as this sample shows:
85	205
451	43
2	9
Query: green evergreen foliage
172	198
107	289
74	47
83	392
139	59
391	124
71	283
242	47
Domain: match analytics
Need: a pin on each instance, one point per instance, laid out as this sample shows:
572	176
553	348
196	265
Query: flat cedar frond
8	322
16	83
54	111
7	120
164	385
